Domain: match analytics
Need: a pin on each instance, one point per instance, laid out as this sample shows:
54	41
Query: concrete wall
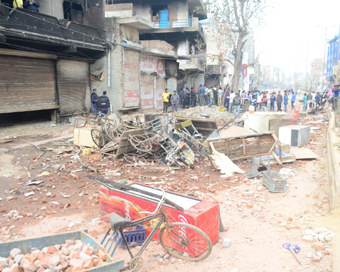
130	33
171	84
182	12
112	65
142	10
53	8
213	43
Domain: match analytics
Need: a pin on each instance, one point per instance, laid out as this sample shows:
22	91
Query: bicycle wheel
185	242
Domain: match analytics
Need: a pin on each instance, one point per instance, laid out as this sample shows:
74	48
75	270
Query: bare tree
241	16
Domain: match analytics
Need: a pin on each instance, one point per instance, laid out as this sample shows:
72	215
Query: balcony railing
181	23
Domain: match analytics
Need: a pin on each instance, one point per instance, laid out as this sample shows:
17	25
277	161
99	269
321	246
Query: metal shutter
73	85
26	84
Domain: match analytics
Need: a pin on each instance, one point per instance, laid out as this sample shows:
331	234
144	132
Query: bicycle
180	240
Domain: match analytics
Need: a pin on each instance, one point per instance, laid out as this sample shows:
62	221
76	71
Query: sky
291	27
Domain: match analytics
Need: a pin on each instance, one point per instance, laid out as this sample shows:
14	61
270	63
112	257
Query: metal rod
108	232
126	243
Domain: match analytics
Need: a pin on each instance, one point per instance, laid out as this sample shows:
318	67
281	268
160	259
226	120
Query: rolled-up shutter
73	85
27	84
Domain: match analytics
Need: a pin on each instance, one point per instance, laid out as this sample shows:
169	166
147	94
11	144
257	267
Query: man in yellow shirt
165	97
17	3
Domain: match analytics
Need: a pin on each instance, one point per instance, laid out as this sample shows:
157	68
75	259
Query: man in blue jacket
285	101
201	92
32	5
293	99
317	98
272	101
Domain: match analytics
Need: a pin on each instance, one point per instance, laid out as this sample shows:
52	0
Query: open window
73	12
155	12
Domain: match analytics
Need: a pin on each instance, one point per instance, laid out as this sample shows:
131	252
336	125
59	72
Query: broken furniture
275	124
259	121
204	126
247	146
128	200
189	128
25	245
253	171
295	135
273	181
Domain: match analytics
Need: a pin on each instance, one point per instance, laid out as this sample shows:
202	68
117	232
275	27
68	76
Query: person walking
304	99
285	101
165	97
94	100
292	100
236	104
272	102
279	99
174	102
201	92
103	103
220	96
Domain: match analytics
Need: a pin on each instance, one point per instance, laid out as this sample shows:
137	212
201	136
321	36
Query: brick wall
119	7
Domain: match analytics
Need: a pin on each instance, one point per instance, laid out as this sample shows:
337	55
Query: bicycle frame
148	239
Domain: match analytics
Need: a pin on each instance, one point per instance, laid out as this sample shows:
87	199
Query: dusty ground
257	225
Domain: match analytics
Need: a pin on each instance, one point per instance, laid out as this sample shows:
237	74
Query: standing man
174	102
215	92
18	4
220	96
285	101
304	99
236	104
336	92
181	97
279	101
206	95
211	96
32	5
293	99
103	103
317	98
201	92
187	97
264	103
94	100
226	99
272	102
309	96
165	97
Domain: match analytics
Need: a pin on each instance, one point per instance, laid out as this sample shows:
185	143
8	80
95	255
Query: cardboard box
82	137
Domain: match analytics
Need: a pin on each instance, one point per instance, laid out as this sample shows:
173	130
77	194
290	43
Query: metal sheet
73	82
27	84
185	202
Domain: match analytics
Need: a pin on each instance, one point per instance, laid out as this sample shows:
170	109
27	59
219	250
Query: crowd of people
232	101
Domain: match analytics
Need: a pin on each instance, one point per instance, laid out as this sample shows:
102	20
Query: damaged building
152	52
46	57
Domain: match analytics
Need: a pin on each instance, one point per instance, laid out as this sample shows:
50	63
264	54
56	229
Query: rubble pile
72	256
